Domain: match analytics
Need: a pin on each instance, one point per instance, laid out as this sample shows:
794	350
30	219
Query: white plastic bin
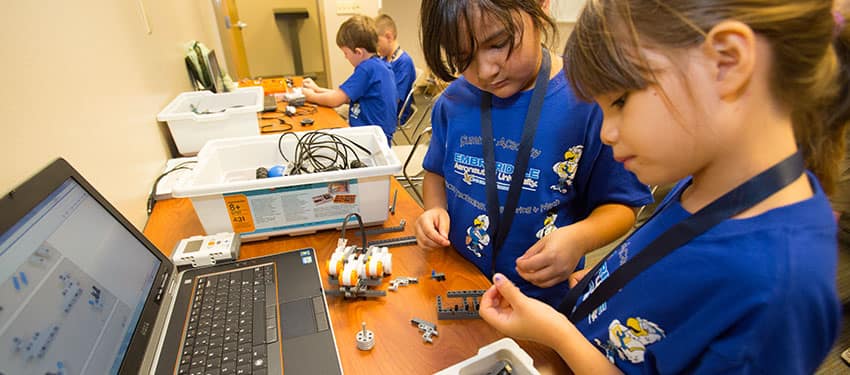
489	356
229	198
196	117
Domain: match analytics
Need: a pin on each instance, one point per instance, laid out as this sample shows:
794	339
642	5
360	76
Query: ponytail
820	130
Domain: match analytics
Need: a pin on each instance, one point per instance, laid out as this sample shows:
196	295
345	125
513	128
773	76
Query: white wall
267	42
84	80
338	67
405	13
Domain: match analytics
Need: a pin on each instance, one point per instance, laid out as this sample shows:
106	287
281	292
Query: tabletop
399	345
279	121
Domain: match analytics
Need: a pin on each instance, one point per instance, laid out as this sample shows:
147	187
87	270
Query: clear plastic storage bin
492	357
228	197
196	117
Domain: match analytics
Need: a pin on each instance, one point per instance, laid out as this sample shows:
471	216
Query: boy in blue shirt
400	62
370	90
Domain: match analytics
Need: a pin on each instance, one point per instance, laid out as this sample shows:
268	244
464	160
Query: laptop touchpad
297	318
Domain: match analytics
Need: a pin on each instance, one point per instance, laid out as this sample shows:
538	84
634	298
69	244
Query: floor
833	364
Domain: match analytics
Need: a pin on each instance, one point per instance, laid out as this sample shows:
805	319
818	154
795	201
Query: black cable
319	151
152	197
362	228
282	122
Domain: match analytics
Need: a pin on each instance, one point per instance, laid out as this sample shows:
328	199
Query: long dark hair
446	23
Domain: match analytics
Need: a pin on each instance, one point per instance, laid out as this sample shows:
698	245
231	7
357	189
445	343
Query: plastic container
228	197
196	117
490	357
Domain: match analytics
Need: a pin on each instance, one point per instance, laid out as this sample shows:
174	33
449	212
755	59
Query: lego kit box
228	196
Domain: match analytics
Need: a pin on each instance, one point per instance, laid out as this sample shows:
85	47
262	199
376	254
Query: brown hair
358	32
809	72
384	23
446	22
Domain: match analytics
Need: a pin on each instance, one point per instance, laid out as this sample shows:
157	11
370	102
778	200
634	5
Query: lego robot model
354	270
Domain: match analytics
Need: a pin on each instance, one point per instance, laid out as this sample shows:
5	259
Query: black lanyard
730	204
498	229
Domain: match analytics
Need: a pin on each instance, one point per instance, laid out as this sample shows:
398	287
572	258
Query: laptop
84	292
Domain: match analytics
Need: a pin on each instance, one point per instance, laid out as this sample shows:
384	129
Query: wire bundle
319	151
152	196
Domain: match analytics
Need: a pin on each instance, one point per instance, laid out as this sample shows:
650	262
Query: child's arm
329	98
514	314
432	227
554	257
310	84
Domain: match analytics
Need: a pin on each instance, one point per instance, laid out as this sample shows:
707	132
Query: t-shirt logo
354	110
566	170
548	224
476	235
629	341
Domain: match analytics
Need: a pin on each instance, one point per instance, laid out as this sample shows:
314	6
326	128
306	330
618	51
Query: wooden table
323	117
399	347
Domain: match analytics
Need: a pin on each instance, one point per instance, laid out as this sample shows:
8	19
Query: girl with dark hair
513	151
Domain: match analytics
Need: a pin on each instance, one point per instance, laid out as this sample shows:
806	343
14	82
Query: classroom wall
405	13
84	80
339	69
267	42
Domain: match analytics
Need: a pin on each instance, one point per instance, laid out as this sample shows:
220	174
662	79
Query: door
268	41
230	28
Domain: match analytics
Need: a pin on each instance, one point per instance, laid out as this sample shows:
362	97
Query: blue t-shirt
405	74
753	295
570	172
371	90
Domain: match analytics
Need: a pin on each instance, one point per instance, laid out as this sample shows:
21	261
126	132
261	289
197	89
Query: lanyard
499	229
730	204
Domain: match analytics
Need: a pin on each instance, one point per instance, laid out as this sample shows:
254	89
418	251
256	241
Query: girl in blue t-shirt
710	93
529	210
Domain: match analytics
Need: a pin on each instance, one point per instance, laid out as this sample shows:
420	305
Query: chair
401	127
409	153
659	192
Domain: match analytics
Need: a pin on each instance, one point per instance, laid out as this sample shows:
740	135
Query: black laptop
82	291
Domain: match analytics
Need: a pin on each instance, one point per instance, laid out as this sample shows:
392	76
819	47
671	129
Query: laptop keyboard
232	320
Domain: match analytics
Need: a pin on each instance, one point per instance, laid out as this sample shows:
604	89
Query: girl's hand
514	314
432	229
550	260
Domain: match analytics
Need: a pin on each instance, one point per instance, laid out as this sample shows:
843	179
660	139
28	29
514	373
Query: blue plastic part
277	171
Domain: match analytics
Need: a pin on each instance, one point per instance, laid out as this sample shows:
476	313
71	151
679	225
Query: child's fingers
575	277
533	260
509	292
534	249
437	238
443	230
491	298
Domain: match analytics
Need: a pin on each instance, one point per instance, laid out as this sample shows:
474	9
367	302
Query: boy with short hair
370	90
399	60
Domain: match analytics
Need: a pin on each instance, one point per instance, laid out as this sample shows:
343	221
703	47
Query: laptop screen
73	283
